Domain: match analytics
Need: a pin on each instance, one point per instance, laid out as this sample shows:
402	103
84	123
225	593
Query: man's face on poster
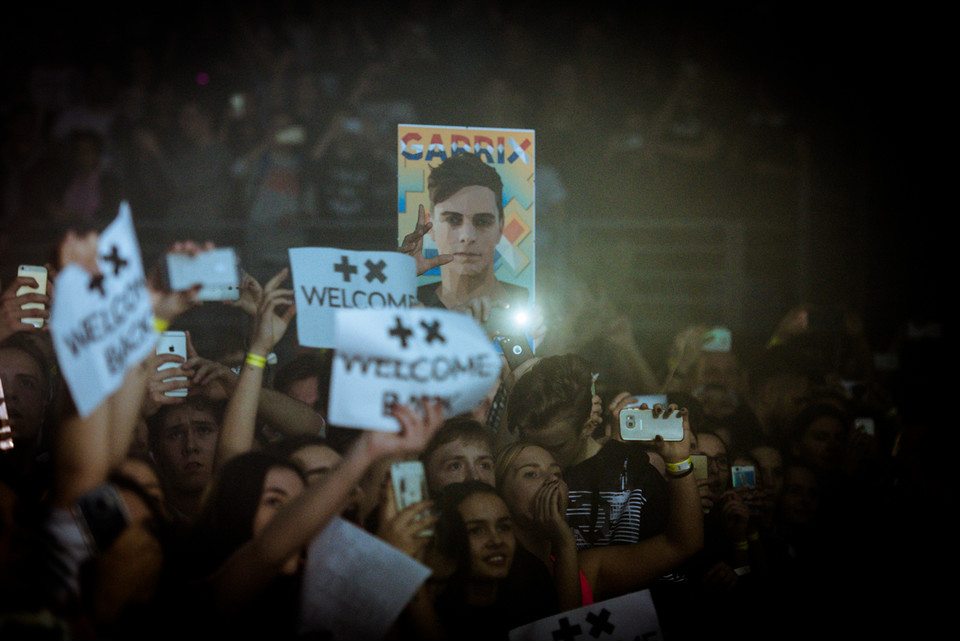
468	226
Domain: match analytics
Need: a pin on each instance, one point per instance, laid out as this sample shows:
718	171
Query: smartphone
507	327
639	425
701	471
409	485
717	339
6	433
293	135
171	342
743	476
217	271
39	274
102	515
866	424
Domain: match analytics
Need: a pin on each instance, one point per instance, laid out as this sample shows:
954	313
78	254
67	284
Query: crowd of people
161	516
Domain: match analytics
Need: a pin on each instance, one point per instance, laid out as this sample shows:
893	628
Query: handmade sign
102	324
355	585
326	280
387	356
631	617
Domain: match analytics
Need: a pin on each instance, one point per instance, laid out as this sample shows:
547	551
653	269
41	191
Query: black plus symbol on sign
96	283
114	257
600	623
566	632
345	268
433	331
375	270
401	332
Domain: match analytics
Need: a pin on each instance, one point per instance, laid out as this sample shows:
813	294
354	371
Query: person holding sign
253	587
466	222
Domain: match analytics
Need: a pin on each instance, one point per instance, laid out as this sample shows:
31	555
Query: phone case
743	475
40	274
173	343
217	271
409	482
640	425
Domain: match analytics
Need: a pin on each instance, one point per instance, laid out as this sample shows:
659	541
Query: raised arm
259	560
240	416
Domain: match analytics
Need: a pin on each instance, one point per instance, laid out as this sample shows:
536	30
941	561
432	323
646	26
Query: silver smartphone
173	342
639	425
216	271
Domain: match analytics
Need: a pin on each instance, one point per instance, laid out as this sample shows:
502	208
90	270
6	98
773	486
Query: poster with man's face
481	234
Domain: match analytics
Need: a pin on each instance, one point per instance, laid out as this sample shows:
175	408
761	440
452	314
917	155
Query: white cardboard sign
631	617
387	356
326	280
101	325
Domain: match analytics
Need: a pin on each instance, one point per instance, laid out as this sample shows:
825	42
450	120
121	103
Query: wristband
255	360
682	468
742	545
160	324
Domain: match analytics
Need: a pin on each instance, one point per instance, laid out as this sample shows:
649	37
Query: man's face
468	226
23	389
717	465
459	460
561	438
185	447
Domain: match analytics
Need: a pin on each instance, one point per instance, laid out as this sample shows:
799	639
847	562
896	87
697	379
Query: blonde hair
505	458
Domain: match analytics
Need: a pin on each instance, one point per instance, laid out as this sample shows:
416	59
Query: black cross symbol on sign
433	331
600	623
96	283
114	257
375	270
345	268
401	332
566	632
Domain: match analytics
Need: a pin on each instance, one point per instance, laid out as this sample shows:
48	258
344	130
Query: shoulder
429	295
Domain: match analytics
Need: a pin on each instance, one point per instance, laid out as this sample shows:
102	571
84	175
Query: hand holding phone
38	274
409	481
217	271
637	424
173	342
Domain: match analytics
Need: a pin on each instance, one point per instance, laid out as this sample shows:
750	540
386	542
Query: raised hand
413	245
271	323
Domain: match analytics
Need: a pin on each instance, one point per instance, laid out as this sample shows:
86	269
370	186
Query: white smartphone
217	271
39	274
409	485
172	342
640	425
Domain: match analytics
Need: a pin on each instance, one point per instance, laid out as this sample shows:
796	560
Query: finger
160	359
437	261
422	218
278	278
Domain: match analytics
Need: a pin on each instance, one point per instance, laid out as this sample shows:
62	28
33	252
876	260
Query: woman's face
526	474
280	486
821	444
490	535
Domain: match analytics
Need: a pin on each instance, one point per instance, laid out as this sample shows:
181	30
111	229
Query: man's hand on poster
413	245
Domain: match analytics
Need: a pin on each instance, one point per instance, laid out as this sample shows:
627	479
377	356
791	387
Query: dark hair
556	387
452	538
464	170
458	427
41	354
813	411
230	505
302	367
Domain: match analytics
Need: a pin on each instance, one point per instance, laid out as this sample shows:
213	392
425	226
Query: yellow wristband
160	324
682	466
742	545
256	360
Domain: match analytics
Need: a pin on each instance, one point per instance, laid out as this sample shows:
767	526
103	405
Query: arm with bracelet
274	313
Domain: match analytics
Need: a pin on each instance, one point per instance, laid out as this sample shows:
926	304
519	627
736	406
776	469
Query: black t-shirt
616	496
429	295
